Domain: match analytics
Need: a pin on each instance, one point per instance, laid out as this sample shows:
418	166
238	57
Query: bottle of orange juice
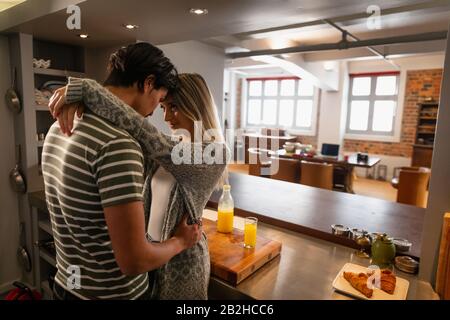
226	211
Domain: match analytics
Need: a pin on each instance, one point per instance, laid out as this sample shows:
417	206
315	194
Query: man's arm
118	168
133	253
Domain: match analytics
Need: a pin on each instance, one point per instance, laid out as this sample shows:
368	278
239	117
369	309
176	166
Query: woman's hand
188	235
65	113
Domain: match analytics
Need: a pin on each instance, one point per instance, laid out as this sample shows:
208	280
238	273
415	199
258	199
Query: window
281	102
372	103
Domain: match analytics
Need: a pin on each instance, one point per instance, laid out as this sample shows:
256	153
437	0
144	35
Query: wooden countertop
312	211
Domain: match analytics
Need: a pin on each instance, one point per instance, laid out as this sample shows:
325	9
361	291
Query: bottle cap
226	187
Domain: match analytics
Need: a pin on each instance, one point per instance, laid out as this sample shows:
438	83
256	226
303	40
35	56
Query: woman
179	188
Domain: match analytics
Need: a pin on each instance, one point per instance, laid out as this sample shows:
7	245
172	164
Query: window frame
309	131
372	97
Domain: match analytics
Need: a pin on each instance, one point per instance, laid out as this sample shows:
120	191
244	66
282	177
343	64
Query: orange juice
225	214
250	235
225	221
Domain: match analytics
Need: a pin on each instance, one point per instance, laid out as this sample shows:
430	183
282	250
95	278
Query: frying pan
11	97
16	177
22	253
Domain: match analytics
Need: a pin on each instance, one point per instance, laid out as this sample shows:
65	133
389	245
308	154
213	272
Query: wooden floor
374	188
366	187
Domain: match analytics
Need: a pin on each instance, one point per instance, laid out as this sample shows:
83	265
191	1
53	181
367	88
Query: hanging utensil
22	253
16	177
11	97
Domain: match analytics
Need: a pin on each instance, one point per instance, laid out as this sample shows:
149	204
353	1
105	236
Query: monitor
331	150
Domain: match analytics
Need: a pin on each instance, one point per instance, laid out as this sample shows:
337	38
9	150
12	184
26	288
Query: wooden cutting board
230	261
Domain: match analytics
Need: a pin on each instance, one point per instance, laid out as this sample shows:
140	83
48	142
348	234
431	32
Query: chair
256	167
341	177
412	187
288	170
317	175
394	181
443	271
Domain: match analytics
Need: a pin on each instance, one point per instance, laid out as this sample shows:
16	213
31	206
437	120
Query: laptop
330	150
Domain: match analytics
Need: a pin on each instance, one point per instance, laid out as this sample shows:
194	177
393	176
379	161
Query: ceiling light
198	11
131	26
83	36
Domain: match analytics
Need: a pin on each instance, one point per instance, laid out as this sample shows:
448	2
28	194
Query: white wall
9	210
196	57
333	111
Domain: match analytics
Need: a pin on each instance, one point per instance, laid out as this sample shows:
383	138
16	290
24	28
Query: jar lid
402	244
384	238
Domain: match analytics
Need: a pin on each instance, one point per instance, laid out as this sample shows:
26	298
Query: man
93	184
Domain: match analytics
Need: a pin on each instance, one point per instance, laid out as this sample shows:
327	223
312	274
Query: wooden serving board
230	261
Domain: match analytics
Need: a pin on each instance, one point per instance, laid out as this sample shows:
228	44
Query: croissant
387	282
359	282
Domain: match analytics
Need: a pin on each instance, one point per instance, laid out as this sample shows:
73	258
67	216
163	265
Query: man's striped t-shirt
97	167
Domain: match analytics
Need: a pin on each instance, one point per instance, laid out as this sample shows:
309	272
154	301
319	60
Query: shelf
45	286
41	107
44	254
429	103
426	146
46	226
422	132
427	118
58	73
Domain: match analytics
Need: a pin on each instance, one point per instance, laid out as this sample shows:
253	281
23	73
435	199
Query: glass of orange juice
250	228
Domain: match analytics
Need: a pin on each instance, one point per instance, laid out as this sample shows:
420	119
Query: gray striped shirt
98	166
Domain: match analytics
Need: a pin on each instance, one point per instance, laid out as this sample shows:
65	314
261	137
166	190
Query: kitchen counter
312	211
306	269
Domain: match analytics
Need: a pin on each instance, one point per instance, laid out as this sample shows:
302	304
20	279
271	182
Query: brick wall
420	85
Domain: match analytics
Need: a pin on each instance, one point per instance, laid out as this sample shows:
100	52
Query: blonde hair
193	98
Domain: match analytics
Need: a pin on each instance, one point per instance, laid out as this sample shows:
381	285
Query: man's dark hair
136	62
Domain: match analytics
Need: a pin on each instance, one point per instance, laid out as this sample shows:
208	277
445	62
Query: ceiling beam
394	51
436	5
314	73
342	45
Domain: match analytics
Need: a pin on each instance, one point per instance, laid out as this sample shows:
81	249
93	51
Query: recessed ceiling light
198	11
131	26
83	36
